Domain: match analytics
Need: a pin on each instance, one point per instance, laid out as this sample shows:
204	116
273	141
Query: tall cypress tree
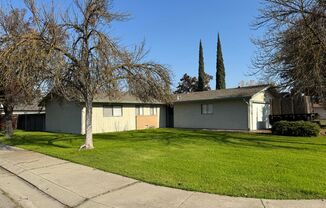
201	69
220	70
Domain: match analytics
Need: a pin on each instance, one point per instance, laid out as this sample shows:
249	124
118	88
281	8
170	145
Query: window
117	111
153	110
112	111
206	109
139	110
107	111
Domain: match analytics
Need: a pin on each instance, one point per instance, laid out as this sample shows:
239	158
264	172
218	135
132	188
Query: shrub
295	128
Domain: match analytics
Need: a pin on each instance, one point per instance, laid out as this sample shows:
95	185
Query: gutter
212	99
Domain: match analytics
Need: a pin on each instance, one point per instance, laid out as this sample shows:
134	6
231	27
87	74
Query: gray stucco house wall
227	114
62	116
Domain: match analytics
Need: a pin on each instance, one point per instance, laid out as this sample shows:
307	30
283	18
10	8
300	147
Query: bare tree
94	62
292	51
22	63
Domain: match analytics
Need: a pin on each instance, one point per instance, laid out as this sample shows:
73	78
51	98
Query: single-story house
30	117
243	108
109	115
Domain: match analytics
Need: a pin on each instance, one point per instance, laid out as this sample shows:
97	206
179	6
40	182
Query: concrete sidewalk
17	193
58	183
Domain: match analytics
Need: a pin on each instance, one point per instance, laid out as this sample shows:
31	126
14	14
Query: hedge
295	128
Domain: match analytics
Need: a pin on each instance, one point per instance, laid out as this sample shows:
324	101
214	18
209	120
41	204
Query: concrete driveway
29	179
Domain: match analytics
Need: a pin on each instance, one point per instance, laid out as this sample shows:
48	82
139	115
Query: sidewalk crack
27	162
122	187
47	166
184	201
262	202
110	191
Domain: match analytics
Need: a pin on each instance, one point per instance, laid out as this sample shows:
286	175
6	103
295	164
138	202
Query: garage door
260	113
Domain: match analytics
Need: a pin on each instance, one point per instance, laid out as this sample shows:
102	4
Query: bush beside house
296	128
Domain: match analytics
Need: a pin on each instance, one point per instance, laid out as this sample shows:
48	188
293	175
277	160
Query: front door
169	117
260	115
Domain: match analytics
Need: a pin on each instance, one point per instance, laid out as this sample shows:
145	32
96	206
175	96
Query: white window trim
206	107
153	110
112	109
141	111
119	107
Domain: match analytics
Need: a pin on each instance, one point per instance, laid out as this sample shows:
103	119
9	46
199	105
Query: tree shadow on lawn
170	137
41	139
263	141
183	137
167	138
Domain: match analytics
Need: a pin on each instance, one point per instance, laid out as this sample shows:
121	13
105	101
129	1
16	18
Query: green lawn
235	164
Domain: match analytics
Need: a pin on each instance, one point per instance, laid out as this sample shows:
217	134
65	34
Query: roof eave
213	99
126	102
264	89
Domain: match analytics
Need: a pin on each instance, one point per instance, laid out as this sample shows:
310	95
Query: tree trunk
8	120
88	126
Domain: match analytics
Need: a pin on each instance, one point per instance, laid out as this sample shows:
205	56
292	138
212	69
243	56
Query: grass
235	164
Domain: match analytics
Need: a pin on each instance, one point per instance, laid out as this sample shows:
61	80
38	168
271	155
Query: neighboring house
245	108
125	113
26	117
320	109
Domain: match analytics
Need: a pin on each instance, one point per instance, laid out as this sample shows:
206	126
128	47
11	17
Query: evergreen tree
220	70
187	84
207	80
201	69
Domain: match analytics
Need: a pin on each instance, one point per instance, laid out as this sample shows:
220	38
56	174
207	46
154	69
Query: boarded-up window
206	109
139	110
112	111
153	110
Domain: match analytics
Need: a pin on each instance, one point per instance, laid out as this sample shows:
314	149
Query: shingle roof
126	98
241	92
32	107
123	98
